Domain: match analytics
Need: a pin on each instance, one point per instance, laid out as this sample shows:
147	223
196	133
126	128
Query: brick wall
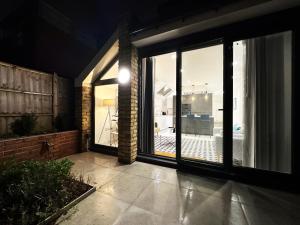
83	109
33	147
128	98
127	102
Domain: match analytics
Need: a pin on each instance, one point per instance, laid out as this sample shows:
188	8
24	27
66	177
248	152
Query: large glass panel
202	104
164	98
262	93
106	115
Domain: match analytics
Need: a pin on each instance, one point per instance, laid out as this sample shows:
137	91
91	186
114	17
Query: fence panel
27	91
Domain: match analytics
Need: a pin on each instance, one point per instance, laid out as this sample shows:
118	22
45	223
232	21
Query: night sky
28	40
100	18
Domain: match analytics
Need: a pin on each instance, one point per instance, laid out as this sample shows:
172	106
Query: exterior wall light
124	76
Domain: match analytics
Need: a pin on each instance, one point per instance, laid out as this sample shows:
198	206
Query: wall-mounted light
124	76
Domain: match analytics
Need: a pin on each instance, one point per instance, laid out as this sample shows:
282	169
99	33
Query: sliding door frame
226	111
148	150
255	174
229	34
98	82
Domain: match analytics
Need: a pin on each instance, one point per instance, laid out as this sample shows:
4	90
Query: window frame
229	34
98	82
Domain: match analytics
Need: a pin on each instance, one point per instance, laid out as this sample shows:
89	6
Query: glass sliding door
158	105
202	104
164	98
106	115
105	123
262	102
225	107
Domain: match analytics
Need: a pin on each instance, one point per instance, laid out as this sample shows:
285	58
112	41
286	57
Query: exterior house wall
83	109
127	102
128	98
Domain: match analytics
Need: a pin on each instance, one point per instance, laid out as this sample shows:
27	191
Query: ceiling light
206	97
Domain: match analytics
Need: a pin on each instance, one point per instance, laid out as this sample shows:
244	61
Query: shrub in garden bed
31	191
25	125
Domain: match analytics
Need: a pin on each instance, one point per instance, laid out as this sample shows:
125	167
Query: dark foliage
25	125
58	123
62	122
32	190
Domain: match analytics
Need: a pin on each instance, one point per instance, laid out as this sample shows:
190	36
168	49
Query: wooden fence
27	91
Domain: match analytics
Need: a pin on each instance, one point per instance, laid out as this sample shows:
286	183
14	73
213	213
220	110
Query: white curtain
249	104
267	143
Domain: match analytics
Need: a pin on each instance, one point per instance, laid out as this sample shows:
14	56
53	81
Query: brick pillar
127	150
83	109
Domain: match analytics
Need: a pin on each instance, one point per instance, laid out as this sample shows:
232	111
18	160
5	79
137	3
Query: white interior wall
198	67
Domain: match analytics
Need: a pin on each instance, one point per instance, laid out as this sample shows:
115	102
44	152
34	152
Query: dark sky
31	41
100	17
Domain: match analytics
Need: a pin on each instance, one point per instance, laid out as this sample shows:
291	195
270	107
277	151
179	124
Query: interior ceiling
202	69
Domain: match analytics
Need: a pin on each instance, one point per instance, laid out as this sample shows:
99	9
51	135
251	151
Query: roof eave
112	41
228	14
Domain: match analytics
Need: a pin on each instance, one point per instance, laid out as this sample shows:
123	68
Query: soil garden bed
38	192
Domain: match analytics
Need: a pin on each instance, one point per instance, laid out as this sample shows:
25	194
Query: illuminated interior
106	110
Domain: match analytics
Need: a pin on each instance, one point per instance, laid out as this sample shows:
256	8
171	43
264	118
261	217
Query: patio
142	193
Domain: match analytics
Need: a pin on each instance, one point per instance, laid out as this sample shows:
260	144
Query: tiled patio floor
145	194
